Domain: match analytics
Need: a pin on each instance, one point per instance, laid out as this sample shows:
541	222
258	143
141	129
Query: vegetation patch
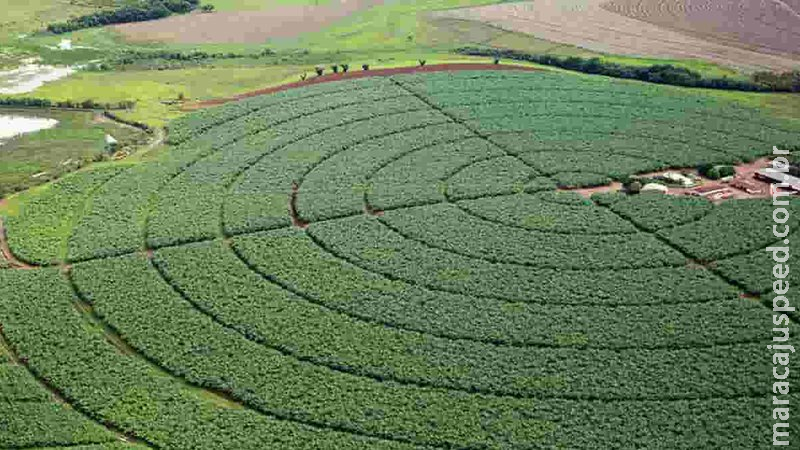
238	292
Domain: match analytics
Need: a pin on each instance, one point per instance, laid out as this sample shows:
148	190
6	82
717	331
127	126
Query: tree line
30	102
660	73
146	10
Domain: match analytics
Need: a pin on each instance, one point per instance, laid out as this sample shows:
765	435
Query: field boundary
357	75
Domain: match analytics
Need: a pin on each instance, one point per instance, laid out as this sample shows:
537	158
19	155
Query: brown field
771	26
242	27
590	24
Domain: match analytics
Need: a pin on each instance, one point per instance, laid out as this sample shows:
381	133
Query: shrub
422	62
335	68
207	8
345	67
319	71
365	66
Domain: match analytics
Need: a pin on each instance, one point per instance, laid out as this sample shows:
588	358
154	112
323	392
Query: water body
13	125
28	77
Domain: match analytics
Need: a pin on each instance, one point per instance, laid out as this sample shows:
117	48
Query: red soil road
244	27
355	75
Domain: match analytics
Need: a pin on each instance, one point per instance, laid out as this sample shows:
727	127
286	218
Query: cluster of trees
662	73
783	82
131	57
146	10
46	103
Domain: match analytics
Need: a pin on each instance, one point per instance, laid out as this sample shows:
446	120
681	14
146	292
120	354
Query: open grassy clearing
330	266
77	140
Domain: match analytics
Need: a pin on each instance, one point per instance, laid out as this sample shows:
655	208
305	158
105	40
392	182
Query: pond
14	125
28	77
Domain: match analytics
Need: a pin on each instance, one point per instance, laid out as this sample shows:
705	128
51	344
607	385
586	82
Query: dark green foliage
662	73
715	172
146	10
387	263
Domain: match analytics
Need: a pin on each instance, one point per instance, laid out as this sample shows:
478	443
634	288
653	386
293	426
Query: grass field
77	140
386	263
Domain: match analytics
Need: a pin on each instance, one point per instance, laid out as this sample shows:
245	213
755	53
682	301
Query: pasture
77	140
393	263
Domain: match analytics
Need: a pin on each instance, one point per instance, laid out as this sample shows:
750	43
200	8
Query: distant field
593	25
771	26
74	142
22	16
386	263
289	20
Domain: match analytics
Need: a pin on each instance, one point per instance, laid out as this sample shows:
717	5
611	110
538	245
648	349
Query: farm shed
772	176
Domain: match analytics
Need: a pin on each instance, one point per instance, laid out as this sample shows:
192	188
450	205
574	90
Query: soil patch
243	27
5	251
771	26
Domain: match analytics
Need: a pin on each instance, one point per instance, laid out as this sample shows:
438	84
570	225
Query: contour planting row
129	296
60	344
32	417
377	139
170	331
202	190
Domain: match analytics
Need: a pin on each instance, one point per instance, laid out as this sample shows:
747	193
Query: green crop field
392	263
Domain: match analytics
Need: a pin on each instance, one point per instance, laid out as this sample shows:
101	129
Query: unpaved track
588	24
244	27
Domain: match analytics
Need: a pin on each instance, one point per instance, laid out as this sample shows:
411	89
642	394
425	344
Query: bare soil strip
588	24
243	27
355	75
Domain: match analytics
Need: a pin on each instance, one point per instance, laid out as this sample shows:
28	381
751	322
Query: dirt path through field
588	24
244	27
355	75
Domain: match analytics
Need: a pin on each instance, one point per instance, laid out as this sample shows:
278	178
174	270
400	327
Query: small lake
28	77
14	125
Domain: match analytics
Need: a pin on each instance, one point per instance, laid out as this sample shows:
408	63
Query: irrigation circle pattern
389	263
